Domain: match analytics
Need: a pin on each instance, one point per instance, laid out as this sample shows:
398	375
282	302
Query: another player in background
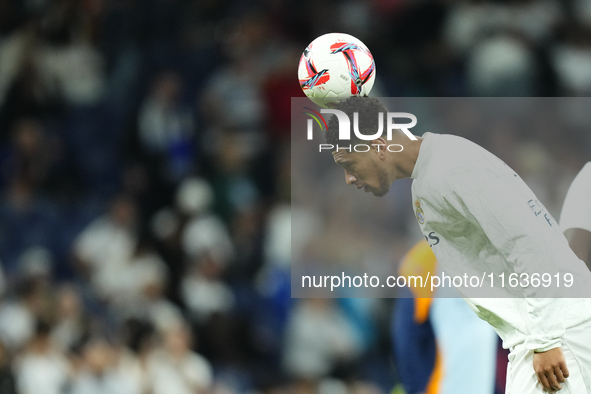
479	216
441	346
575	218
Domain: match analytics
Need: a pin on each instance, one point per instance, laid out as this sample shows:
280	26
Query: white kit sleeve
522	231
576	210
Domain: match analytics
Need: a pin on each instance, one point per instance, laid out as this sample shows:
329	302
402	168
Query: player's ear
379	146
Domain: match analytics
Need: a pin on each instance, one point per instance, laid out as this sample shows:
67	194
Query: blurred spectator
42	368
99	374
175	369
29	158
571	58
469	22
36	263
142	294
18	316
166	128
204	292
232	97
502	66
166	228
71	324
194	196
68	54
231	178
144	269
104	247
319	338
204	232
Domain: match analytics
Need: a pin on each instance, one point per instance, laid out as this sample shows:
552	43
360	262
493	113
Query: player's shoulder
585	171
455	147
580	188
460	164
451	154
458	153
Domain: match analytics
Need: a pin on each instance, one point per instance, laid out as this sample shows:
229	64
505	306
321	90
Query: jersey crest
419	212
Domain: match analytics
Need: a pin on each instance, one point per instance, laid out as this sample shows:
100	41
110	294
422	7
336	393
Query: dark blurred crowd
145	219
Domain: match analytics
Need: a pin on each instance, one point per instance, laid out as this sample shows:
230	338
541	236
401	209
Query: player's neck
406	160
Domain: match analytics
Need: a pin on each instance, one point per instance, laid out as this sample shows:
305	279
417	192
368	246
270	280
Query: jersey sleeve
576	210
521	230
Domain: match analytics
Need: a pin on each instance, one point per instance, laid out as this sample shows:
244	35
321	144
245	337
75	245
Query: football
334	67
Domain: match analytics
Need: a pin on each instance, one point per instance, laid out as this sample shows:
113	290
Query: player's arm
494	200
575	218
580	242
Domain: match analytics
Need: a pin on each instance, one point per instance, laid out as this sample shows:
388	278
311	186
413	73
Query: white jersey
576	210
479	216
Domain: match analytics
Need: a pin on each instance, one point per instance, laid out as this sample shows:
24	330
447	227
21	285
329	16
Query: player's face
365	171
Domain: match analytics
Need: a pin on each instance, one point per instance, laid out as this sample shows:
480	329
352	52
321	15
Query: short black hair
368	109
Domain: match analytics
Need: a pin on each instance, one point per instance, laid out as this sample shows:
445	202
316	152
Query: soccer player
479	216
441	346
575	218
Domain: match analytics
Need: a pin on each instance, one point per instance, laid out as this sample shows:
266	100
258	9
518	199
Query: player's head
368	170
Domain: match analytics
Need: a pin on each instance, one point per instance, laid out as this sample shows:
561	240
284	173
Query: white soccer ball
334	67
